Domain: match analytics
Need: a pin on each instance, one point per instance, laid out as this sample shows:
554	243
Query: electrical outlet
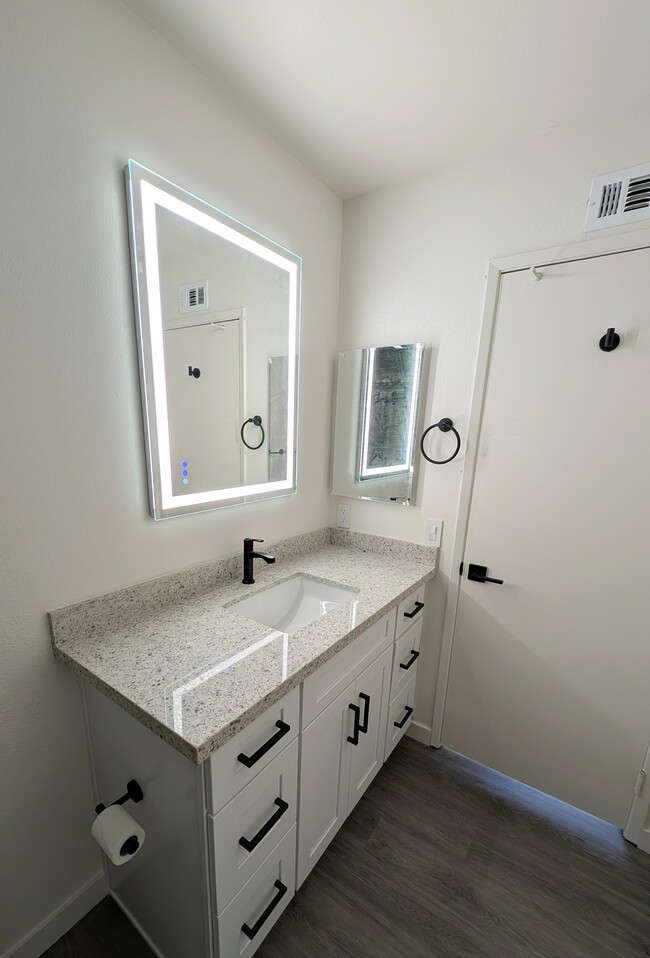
343	515
433	532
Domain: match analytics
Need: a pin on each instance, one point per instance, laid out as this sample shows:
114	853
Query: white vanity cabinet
228	843
408	636
347	735
341	752
252	838
218	864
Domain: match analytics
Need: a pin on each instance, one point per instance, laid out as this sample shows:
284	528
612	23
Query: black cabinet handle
403	721
252	843
354	738
478	573
363	724
250	760
251	932
415	655
418	607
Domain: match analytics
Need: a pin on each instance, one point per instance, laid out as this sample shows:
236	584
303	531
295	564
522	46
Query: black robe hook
610	340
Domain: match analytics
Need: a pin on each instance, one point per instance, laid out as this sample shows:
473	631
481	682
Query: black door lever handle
478	573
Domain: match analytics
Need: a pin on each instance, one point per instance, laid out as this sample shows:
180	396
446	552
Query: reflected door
203	372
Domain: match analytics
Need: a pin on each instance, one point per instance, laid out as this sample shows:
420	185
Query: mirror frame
146	190
418	406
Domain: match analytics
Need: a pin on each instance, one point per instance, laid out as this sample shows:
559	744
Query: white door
202	369
549	671
637	829
372	690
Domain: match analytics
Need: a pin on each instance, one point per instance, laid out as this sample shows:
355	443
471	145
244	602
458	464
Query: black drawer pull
252	843
415	655
250	760
403	721
418	607
354	738
363	725
251	932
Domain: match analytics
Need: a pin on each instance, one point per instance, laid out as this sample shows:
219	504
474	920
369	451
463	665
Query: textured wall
85	85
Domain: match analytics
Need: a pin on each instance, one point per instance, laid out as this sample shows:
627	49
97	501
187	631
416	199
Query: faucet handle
253	540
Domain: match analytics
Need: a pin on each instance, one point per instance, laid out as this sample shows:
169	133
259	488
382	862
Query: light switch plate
343	515
433	532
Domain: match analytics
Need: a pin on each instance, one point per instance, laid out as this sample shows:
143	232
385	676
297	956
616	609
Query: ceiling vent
619	198
193	297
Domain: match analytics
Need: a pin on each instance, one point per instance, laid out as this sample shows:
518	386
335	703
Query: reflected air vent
609	197
192	297
619	198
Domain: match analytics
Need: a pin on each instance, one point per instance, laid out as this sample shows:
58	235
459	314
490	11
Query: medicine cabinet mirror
380	395
217	308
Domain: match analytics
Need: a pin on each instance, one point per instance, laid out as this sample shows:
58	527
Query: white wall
413	269
85	85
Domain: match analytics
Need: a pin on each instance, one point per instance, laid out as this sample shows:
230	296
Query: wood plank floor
443	858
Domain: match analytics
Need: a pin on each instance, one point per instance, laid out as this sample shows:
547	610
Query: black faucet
249	555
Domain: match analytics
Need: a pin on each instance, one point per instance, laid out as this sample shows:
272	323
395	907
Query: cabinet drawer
410	610
261	814
321	688
259	904
399	716
405	659
257	744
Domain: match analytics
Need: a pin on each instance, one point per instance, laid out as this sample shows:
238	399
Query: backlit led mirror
217	308
378	421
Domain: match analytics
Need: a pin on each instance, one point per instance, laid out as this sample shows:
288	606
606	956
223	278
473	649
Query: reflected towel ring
445	425
257	421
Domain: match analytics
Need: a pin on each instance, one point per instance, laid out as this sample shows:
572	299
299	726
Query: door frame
604	245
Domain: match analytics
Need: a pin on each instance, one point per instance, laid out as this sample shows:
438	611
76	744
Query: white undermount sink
291	605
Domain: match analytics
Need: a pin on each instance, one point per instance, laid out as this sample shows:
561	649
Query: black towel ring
445	425
257	421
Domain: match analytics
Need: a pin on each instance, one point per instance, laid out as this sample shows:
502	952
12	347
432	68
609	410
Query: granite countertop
172	654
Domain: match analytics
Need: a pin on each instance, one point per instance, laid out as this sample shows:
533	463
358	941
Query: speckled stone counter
171	653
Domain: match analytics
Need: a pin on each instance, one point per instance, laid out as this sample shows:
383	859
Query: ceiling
369	92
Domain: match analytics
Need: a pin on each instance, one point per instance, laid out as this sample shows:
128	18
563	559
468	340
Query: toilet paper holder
134	793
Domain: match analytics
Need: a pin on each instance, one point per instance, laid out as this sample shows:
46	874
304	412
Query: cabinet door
371	695
324	780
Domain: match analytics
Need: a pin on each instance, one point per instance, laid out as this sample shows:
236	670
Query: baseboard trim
138	927
61	920
421	733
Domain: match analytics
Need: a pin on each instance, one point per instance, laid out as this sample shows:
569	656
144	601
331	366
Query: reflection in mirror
217	312
379	405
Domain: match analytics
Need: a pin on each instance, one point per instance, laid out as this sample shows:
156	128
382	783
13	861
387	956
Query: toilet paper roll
117	834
